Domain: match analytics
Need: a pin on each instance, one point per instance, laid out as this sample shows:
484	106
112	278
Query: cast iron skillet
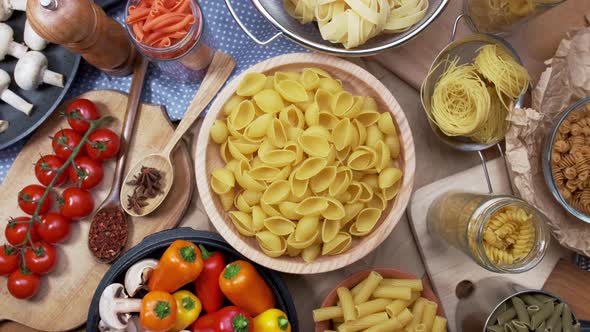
46	98
154	245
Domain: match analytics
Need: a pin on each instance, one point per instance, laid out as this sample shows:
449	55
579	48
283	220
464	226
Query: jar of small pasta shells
566	160
503	234
503	16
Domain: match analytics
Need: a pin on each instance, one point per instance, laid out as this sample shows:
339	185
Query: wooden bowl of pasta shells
263	213
390	276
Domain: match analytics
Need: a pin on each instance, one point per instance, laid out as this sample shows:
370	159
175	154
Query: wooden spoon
219	71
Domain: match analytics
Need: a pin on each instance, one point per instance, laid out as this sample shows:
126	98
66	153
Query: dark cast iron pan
154	245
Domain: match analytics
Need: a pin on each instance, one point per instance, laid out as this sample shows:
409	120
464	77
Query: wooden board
448	266
65	294
571	284
356	80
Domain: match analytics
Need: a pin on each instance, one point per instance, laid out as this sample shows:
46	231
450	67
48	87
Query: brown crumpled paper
566	81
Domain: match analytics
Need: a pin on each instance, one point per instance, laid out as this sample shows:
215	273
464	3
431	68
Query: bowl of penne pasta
305	163
381	299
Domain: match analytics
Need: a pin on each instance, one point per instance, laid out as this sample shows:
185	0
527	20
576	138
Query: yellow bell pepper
272	320
188	309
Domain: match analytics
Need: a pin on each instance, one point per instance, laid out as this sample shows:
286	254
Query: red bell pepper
207	285
228	319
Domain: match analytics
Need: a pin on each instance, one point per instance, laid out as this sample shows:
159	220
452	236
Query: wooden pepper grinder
83	27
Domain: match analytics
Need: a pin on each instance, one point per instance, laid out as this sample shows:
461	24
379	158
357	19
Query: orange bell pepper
158	311
180	264
244	287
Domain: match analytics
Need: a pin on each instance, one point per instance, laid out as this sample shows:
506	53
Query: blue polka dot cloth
160	88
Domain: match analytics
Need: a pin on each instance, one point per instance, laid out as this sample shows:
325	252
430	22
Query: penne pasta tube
554	318
495	328
347	304
506	316
540	328
567	320
520	326
363	323
420	328
540	317
440	324
393	292
428	315
542	298
577	327
356	289
397	306
326	313
369	286
532	309
509	327
531	300
521	312
371	307
417	312
392	324
338	320
414	284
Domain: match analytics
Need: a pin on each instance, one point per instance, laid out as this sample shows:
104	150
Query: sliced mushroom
115	307
10	97
138	274
31	70
32	38
8	6
7	44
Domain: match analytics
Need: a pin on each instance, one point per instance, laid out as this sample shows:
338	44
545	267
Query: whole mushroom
115	307
32	38
12	98
8	6
138	274
7	44
31	70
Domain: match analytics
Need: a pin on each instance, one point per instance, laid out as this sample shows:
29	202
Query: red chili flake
108	234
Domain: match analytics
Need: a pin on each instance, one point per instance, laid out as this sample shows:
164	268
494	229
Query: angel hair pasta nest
308	165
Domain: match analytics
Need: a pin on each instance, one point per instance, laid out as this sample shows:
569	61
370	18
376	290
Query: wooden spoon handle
219	71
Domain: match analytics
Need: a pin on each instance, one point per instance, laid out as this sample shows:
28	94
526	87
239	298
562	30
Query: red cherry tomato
77	203
78	114
23	286
103	144
8	260
64	142
45	170
29	197
53	228
16	233
87	172
41	258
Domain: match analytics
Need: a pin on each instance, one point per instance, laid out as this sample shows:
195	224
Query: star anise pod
136	202
147	182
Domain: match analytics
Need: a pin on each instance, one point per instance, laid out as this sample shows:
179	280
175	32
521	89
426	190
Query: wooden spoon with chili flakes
149	181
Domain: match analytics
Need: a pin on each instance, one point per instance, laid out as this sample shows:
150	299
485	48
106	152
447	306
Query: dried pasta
308	165
353	22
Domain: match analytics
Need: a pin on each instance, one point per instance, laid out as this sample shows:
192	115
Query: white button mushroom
7	44
8	6
10	97
32	38
115	307
3	125
138	274
31	70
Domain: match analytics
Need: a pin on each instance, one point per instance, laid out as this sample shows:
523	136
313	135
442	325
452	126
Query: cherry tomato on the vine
46	167
16	231
41	258
53	228
23	286
77	203
103	144
85	172
8	260
29	197
79	112
64	141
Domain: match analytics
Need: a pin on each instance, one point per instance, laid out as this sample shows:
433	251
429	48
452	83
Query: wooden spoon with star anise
148	182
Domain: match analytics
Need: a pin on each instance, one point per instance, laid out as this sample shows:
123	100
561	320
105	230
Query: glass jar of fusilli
503	234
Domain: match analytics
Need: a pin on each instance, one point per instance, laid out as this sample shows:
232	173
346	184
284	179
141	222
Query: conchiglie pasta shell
242	205
235	152
258	216
231	104
251	197
224	152
393	143
341	243
383	156
386	124
310	168
271	244
243	222
368	118
323	99
287	209
330	229
278	158
310	79
219	132
366	221
355	190
264	148
351	211
310	100
259	127
233	132
312	206
341	182
341	103
251	84
335	209
292	242
270	82
283	174
342	134
244	147
222	181
279	225
362	158
312	252
276	192
292	116
306	228
269	101
293	146
328	120
277	135
298	187
377	202
342	155
354	139
318	131
227	200
293	252
371	180
331	158
330	85
323	179
320	72
312	115
314	146
264	173
367	193
370	104
391	192
362	131
292	91
356	108
374	136
242	115
281	76
389	176
270	210
293	134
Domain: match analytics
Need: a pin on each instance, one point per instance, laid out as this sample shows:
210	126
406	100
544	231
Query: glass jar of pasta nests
503	16
173	34
503	234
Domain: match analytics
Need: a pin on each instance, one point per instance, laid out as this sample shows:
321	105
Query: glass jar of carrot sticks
172	34
503	234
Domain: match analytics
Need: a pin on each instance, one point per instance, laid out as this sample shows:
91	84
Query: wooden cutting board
65	294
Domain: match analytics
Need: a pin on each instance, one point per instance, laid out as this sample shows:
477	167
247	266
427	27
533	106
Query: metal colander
308	35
